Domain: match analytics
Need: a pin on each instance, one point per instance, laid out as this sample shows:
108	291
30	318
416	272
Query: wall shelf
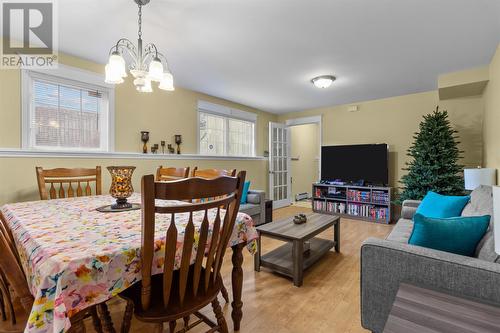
6	152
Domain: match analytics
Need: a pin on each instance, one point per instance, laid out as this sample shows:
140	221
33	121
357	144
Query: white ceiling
262	53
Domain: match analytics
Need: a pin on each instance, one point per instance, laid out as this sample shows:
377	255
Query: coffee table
302	249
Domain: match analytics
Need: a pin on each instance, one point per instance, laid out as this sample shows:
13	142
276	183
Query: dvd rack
358	202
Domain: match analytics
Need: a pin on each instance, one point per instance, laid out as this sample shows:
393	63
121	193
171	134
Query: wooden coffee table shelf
290	259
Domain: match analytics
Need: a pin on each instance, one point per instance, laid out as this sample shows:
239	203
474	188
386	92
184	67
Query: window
224	131
66	115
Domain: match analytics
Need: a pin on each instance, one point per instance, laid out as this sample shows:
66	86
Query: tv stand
368	203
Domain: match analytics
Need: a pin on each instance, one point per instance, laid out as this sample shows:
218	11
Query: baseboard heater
301	196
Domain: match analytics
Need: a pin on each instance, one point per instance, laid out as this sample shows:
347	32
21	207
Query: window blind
65	116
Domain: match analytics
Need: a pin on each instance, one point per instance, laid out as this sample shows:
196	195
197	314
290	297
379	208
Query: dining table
75	257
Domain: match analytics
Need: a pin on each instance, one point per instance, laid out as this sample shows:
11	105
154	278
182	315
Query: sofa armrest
258	197
409	208
385	264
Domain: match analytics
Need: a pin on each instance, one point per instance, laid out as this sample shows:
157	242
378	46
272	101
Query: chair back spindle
65	183
196	274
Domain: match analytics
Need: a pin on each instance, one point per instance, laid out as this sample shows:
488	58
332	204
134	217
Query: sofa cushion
244	193
250	209
401	231
481	203
442	206
459	235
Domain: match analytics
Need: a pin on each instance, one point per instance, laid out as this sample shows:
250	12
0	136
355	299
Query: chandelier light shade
111	76
145	64
167	82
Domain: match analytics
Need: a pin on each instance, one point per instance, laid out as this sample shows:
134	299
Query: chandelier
146	65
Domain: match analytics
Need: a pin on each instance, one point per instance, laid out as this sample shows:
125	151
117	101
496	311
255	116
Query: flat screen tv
356	162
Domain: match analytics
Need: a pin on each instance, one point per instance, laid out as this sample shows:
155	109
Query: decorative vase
145	139
121	185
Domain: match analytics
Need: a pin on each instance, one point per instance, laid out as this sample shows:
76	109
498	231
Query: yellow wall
491	133
18	181
305	146
162	113
394	120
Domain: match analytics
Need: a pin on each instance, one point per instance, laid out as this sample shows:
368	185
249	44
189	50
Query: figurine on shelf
145	139
178	141
154	148
171	149
162	147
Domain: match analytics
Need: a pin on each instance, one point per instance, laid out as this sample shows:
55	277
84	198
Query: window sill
6	152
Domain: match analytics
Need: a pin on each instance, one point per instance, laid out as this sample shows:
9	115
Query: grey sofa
255	206
387	263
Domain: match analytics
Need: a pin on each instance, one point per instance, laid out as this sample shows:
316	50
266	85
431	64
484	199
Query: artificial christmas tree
434	164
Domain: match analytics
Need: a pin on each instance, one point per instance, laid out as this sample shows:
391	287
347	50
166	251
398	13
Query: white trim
15	153
226	111
72	76
75	74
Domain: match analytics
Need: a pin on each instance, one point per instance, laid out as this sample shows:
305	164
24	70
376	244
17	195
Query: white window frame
73	77
227	113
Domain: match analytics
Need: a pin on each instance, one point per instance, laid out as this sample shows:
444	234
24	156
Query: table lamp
473	178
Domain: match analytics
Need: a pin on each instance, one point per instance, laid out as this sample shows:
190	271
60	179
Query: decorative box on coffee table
302	249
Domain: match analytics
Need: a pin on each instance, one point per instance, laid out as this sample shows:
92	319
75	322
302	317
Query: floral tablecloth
75	257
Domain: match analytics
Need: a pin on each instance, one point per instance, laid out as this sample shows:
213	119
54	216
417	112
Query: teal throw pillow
459	235
437	205
244	194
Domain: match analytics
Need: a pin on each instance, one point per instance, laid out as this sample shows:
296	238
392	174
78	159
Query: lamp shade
155	70
496	217
167	82
474	178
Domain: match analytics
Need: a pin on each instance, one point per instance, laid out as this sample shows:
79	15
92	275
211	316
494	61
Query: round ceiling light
323	81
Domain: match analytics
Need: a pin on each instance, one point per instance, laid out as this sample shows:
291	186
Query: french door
279	162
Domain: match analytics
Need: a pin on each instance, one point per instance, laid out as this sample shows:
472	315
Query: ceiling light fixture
323	81
145	65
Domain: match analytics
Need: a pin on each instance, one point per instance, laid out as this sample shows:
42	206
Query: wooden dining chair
178	293
168	174
78	182
213	173
6	232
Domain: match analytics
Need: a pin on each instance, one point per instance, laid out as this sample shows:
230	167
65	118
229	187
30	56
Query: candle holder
171	149
145	139
162	147
121	185
121	189
178	141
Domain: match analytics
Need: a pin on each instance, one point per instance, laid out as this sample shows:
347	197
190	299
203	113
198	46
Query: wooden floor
327	302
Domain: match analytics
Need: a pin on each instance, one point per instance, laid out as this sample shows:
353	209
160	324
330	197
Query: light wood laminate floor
327	302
